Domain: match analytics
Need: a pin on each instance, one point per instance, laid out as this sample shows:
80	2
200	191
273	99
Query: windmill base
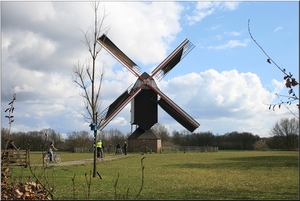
145	141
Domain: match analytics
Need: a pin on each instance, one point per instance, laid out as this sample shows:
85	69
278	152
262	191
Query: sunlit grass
219	175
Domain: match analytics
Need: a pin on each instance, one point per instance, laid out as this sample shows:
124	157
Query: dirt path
84	161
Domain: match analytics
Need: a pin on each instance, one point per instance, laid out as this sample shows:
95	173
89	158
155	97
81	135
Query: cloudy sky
225	83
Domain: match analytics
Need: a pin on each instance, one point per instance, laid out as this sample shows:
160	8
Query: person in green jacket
99	149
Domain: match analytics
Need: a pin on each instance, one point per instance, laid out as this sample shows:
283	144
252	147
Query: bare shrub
261	145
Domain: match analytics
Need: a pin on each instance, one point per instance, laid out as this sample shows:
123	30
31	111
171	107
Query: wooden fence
190	149
173	149
13	158
83	150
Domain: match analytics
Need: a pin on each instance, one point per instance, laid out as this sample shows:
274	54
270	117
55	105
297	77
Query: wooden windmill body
145	96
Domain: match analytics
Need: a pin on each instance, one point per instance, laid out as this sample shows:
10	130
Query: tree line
39	140
283	136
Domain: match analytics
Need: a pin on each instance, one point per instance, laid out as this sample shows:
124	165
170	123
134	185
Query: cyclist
50	151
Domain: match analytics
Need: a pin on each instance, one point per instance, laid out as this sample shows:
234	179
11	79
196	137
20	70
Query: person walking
50	151
125	148
99	149
118	149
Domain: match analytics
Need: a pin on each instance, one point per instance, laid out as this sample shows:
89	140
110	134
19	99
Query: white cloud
221	101
151	26
233	33
230	5
278	28
238	91
119	121
230	44
204	9
215	27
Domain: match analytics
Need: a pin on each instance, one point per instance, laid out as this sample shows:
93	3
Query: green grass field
216	175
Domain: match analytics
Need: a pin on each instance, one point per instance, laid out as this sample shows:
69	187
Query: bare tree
290	83
114	136
86	77
162	131
287	133
10	116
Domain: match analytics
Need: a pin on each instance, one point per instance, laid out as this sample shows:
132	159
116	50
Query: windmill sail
119	55
113	109
176	112
173	59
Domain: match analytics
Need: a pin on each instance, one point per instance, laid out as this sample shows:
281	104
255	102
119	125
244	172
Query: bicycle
56	157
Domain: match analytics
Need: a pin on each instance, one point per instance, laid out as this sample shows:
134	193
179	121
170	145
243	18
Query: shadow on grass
221	193
245	163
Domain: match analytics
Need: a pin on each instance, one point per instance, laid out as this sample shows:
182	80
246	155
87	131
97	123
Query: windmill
144	95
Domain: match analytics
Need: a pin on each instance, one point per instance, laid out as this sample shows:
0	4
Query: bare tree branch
290	81
281	103
269	58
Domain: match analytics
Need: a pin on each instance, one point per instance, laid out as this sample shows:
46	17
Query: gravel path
91	160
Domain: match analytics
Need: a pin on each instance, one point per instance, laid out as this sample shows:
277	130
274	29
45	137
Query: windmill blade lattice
113	109
119	55
175	111
173	59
